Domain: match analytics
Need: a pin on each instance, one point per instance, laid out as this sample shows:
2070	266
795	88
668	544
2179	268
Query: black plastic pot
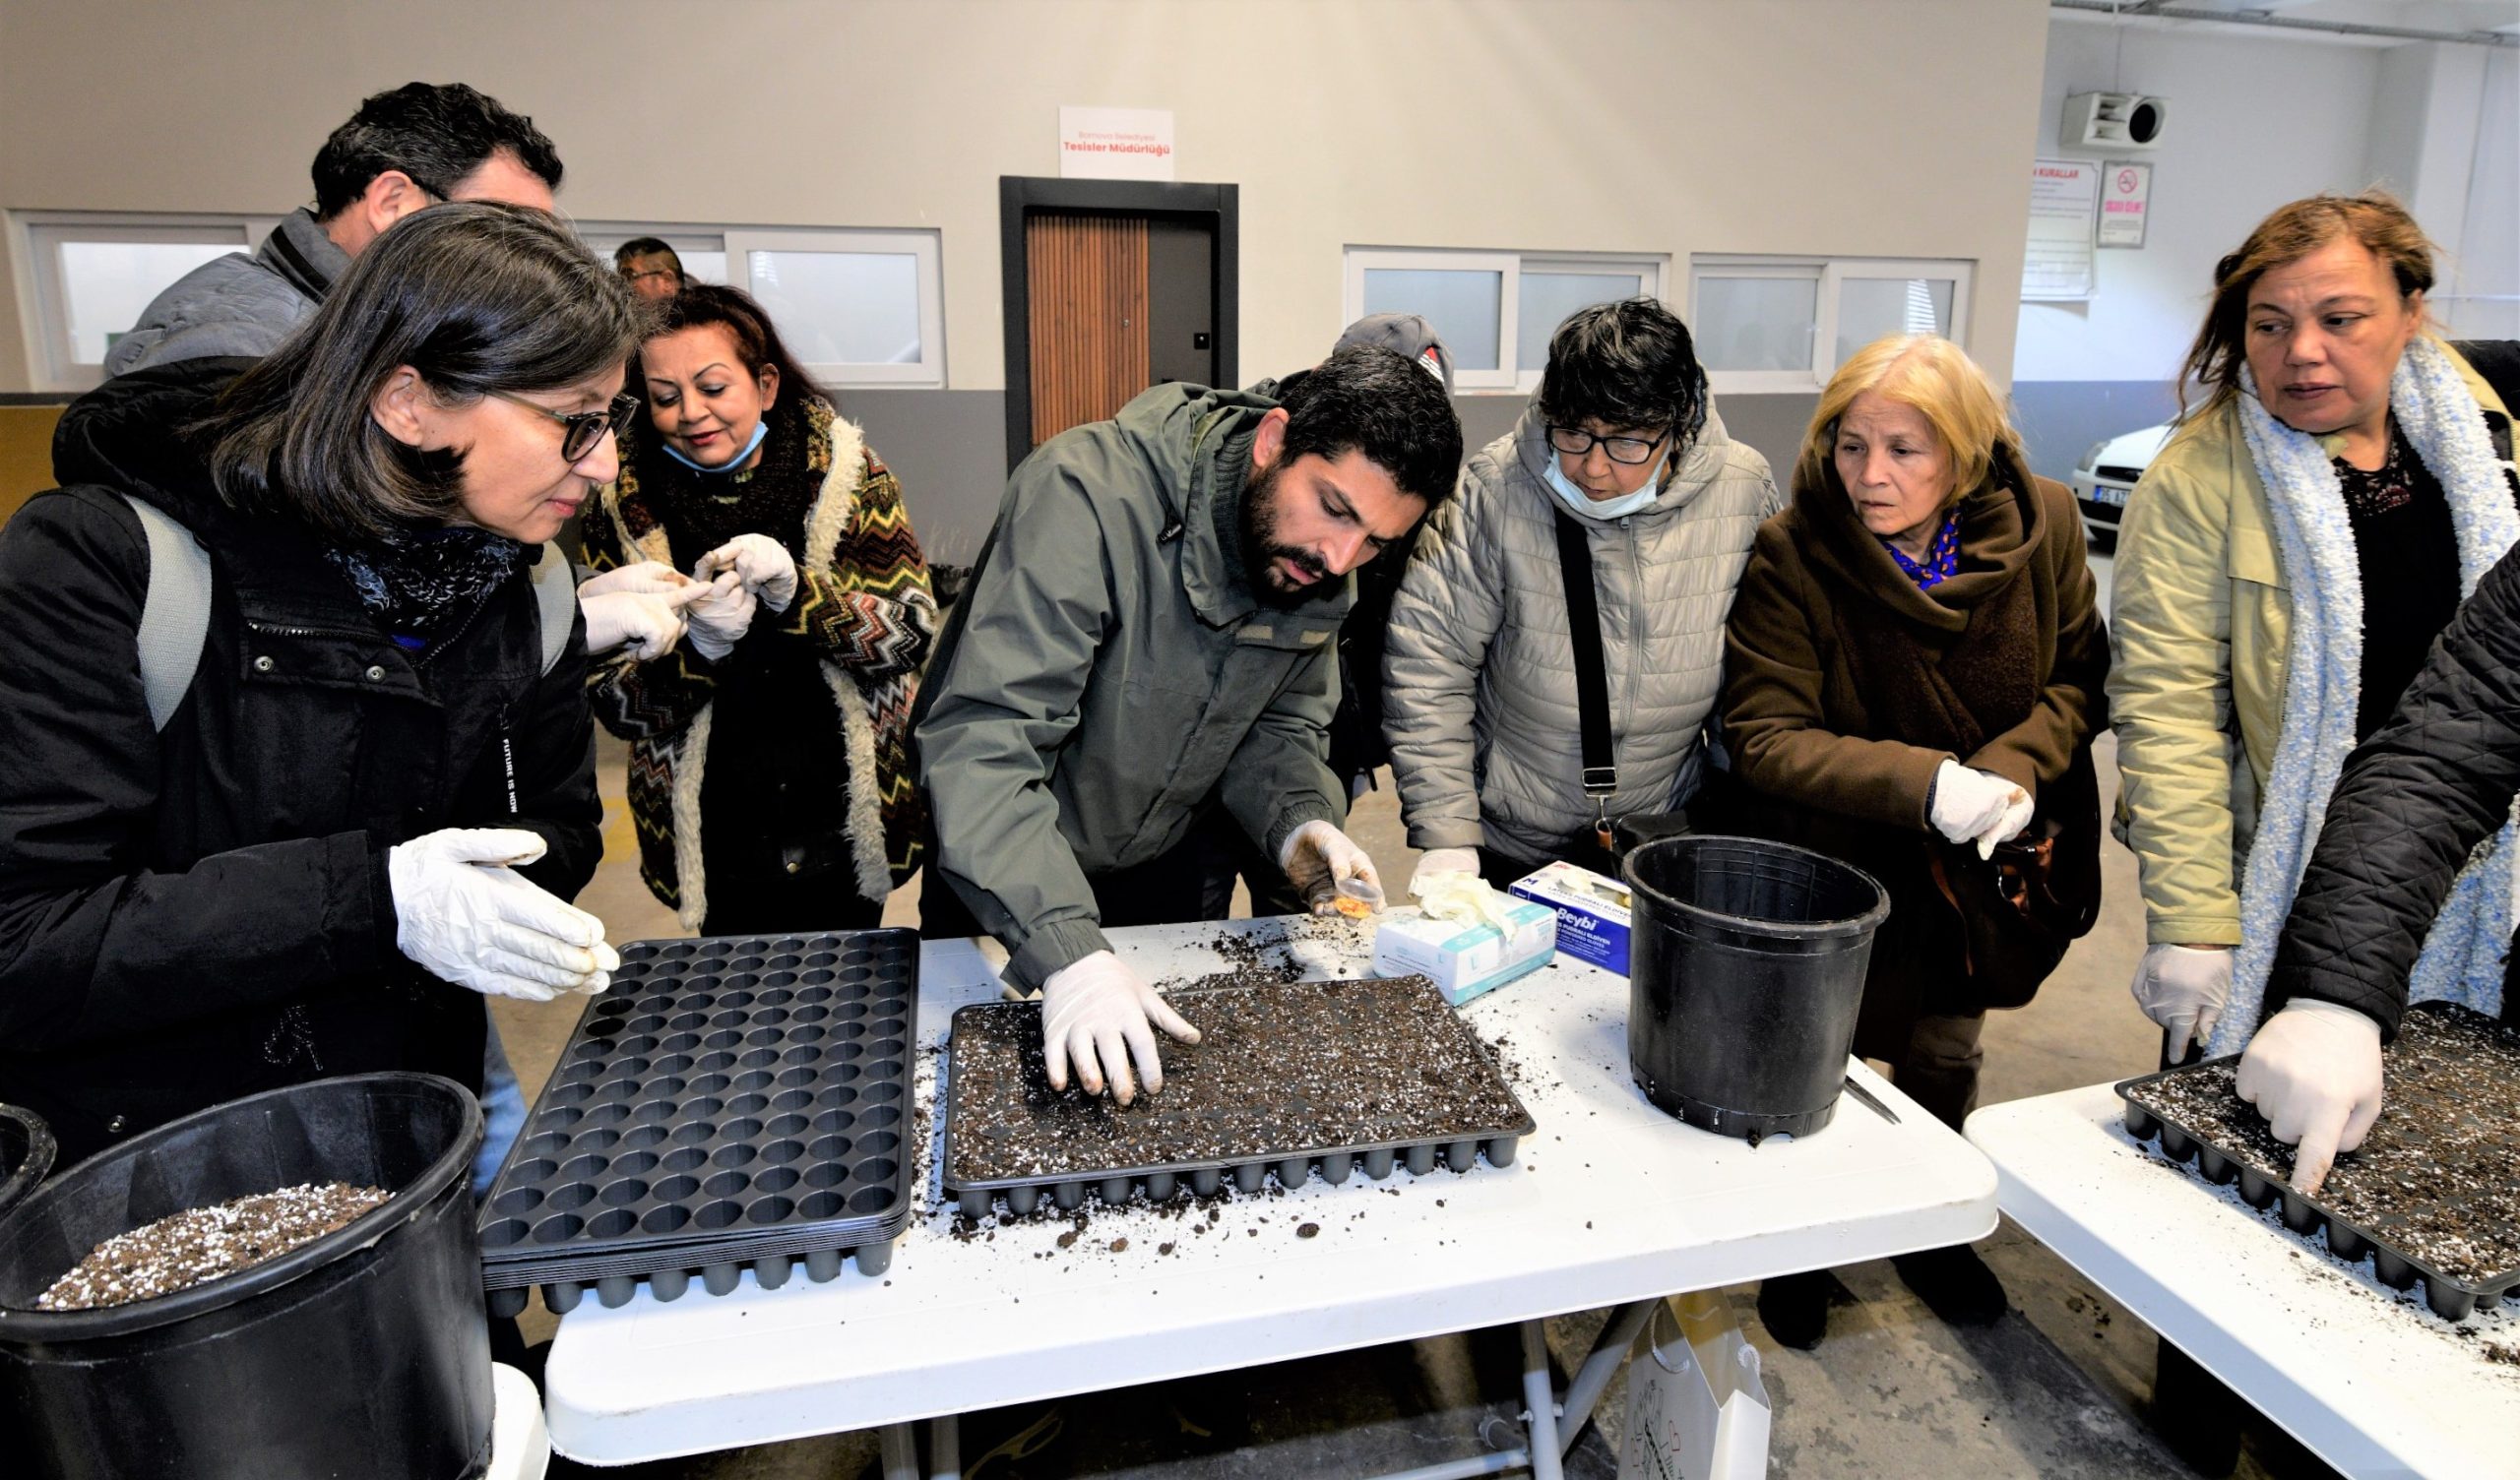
363	1353
1746	969
26	1150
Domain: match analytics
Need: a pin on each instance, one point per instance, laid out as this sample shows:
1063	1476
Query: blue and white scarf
2462	957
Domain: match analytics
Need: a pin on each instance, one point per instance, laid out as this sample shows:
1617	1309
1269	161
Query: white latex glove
1443	861
1317	856
2183	988
2314	1071
649	625
1095	1017
655	578
759	562
471	919
721	616
1977	806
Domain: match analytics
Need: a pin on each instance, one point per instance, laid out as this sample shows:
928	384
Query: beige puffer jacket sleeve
1444	616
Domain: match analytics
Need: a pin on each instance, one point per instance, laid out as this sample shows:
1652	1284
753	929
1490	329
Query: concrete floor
2058	1387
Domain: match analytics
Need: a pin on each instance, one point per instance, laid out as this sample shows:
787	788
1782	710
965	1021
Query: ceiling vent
2113	121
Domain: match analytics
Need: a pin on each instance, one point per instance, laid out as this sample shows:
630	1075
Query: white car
2108	472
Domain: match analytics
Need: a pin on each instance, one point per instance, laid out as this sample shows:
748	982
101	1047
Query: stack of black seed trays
727	1105
1287	1078
2433	1192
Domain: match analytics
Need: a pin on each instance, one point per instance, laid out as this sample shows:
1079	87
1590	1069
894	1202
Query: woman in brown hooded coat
1914	676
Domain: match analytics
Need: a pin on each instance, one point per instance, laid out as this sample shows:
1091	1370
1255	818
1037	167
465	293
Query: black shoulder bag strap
1591	673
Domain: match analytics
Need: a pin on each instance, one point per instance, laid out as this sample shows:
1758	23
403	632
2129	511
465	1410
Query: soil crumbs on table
1281	1069
2437	1179
201	1244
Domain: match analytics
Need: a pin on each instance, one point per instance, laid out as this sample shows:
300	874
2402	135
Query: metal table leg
1550	1424
899	1447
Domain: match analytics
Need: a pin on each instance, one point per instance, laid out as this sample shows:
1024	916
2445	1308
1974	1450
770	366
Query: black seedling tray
1339	1066
2430	1034
726	1104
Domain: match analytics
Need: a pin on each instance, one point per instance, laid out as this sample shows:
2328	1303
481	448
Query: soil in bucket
362	1352
1746	965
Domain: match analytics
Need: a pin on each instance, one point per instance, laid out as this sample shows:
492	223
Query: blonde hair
2374	219
1936	378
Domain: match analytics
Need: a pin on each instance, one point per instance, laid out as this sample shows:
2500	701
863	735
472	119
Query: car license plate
2109	494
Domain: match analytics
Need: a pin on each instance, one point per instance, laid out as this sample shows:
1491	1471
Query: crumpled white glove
2183	989
1443	861
1317	856
759	562
1977	806
648	624
1095	1017
721	616
653	576
2314	1071
471	919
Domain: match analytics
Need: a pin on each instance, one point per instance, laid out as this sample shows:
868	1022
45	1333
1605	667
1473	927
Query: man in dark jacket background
413	147
1155	625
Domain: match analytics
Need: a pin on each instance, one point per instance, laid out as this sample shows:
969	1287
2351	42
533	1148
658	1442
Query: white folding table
1610	1203
2369	1379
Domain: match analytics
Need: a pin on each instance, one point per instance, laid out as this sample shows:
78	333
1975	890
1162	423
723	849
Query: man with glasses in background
1619	483
651	266
416	145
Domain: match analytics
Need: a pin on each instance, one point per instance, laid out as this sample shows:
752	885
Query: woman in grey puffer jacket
1622	443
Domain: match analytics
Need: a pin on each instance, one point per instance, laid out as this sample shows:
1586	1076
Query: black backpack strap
1591	673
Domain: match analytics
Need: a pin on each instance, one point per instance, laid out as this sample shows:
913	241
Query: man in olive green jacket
1155	621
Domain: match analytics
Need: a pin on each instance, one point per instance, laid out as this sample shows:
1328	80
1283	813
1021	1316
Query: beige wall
1876	127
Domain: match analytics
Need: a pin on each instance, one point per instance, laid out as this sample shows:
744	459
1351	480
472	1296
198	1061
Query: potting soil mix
201	1244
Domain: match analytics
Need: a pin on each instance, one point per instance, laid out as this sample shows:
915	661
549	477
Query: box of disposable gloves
1591	912
1467	939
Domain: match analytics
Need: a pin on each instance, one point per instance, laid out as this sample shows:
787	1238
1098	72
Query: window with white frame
94	274
855	308
1494	310
1787	323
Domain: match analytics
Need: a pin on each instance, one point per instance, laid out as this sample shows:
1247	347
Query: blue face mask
759	434
1589	507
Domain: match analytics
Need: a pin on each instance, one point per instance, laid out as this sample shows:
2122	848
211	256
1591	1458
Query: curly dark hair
1381	403
436	133
1629	364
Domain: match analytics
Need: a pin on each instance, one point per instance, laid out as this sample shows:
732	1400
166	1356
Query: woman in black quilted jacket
2409	806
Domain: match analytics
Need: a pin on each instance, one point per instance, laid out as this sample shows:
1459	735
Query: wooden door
1087	316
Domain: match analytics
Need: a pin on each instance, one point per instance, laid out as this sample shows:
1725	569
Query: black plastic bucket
1745	970
362	1353
26	1149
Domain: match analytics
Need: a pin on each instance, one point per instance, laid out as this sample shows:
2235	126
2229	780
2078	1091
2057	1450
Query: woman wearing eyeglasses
1913	682
296	835
1620	477
769	776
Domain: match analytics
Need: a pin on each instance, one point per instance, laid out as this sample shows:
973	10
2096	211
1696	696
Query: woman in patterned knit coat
769	779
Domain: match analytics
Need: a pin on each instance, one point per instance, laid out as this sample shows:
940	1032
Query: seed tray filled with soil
201	1244
1287	1078
727	1105
2433	1193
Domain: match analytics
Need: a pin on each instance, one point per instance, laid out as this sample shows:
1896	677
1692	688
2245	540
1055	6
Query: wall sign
2064	194
2125	201
1116	144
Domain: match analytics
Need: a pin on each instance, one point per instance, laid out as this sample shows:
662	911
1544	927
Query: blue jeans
502	1109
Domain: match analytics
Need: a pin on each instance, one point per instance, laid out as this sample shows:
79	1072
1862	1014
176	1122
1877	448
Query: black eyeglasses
1575	442
584	428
